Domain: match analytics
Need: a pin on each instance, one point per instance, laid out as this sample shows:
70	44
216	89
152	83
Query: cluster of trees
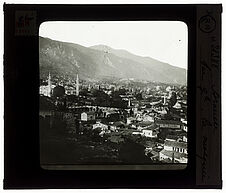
113	100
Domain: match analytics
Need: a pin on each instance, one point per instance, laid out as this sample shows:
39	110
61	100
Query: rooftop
90	113
161	121
151	127
176	154
145	123
176	144
173	137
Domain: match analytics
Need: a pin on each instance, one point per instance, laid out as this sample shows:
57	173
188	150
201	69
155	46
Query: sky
166	41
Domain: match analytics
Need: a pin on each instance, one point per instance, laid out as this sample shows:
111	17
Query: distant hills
100	61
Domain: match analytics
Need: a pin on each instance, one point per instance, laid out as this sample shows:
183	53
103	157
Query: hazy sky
166	41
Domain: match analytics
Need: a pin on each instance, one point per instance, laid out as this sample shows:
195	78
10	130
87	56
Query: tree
84	92
58	91
173	99
132	152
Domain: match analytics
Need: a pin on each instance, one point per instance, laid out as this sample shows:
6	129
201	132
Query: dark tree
173	99
132	152
58	91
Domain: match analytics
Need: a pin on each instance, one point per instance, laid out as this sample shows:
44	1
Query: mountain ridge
100	61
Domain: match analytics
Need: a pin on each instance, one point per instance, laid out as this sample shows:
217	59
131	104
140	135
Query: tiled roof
168	122
174	137
145	123
151	127
176	154
176	144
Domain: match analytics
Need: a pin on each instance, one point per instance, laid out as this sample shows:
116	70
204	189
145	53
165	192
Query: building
147	129
150	132
100	125
88	116
43	90
177	105
184	126
170	124
174	151
144	125
47	90
130	120
175	146
179	136
148	118
173	157
185	139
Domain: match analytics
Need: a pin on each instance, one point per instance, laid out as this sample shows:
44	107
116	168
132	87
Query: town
125	121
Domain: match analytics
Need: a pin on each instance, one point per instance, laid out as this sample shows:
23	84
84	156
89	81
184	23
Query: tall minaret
129	103
49	86
77	86
164	101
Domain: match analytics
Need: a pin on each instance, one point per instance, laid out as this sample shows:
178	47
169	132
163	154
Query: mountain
101	61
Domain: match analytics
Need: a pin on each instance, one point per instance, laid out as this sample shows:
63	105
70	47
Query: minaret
89	87
77	86
164	102
49	86
129	103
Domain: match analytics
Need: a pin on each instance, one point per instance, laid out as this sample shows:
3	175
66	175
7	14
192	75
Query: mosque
47	90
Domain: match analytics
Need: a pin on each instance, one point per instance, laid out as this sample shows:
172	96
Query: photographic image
113	93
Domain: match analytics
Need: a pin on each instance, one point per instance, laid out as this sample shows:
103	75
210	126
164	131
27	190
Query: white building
176	146
168	124
149	133
130	120
148	129
177	105
174	151
173	156
148	118
47	90
185	139
88	116
100	125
